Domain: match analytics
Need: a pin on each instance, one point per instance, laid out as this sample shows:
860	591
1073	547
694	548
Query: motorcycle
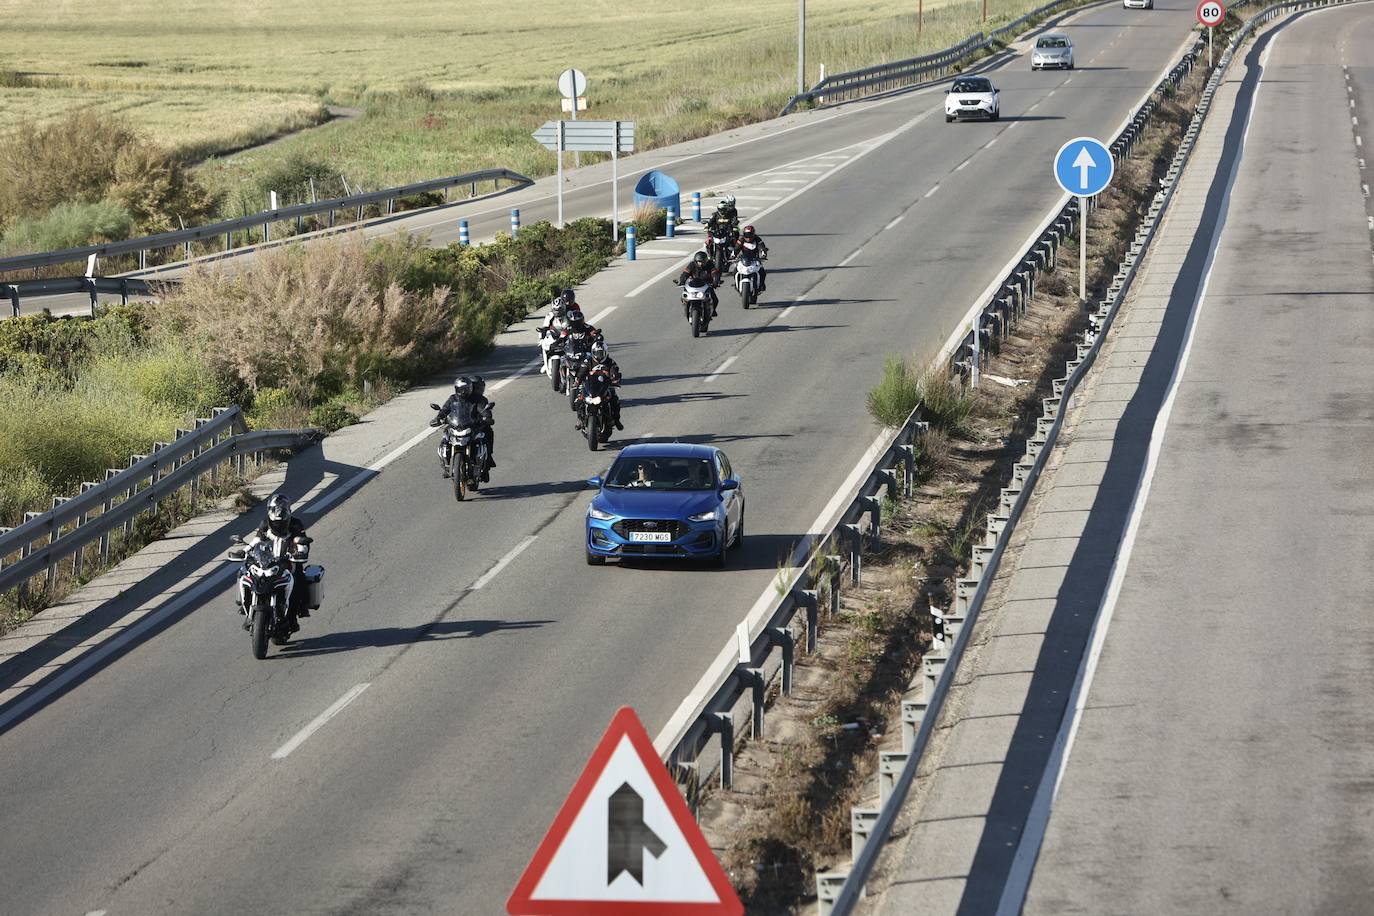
551	343
719	241
747	270
594	401
465	451
696	304
274	584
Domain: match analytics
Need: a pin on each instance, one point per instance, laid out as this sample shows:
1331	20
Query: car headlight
594	512
708	516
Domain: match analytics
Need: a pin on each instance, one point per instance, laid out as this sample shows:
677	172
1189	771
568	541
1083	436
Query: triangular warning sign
624	843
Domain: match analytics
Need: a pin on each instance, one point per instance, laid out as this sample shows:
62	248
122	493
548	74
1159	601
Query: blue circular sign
1084	166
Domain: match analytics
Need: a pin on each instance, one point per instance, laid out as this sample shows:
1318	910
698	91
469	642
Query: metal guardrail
124	287
838	893
898	74
263	219
73	524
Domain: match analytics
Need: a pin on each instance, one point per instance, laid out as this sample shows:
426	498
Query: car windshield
972	86
661	473
1052	43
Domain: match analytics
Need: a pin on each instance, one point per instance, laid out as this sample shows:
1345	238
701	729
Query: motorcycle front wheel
555	370
744	294
261	623
459	476
697	324
593	430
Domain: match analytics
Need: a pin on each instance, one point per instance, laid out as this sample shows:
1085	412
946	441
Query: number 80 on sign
1211	12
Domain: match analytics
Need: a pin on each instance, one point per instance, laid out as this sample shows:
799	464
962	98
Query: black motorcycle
466	450
274	586
594	407
719	245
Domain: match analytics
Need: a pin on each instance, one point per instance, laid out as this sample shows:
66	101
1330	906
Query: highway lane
1222	762
434	783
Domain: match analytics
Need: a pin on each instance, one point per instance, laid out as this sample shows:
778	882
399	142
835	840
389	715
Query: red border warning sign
624	843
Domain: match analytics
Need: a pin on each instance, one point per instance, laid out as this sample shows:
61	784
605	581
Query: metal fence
839	87
124	287
88	520
839	892
298	213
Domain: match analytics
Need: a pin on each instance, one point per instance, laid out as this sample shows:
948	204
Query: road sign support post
1084	167
1210	30
615	183
801	47
1082	249
561	145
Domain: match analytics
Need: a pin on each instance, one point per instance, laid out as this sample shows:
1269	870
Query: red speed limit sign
1210	13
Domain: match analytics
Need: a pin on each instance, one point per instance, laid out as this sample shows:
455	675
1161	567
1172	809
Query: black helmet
575	316
462	385
568	298
278	514
700	258
479	385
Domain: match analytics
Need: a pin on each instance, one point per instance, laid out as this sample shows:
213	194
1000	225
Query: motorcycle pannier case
314	586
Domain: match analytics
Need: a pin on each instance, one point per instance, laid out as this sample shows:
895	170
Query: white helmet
728	200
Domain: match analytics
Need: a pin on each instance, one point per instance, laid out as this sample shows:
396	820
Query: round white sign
1210	12
573	83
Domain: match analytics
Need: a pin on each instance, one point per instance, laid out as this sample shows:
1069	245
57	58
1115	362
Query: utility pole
985	10
801	46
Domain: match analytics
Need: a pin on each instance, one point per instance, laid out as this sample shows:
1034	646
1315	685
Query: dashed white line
1365	188
319	721
933	190
894	222
787	311
1361	163
1051	92
1014	126
852	255
992	141
504	562
1358	140
960	166
723	366
786	181
1067	81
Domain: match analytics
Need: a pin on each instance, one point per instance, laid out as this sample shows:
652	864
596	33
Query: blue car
666	500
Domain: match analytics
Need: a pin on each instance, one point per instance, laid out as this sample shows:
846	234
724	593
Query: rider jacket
578	340
699	273
724	221
294	529
608	364
468	411
760	247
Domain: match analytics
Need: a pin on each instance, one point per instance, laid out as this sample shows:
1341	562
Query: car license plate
650	536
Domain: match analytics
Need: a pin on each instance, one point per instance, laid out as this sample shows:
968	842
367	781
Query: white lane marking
519	373
723	366
851	256
758	196
1067	81
1354	121
504	562
867	147
96	913
1358	140
1051	92
1014	125
992	141
786	181
894	222
960	166
1371	223
1365	188
1361	163
1033	835
602	314
1033	107
787	311
319	721
932	191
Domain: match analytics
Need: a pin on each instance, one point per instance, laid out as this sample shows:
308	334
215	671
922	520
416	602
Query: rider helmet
700	258
747	233
576	318
479	385
462	386
568	298
278	515
598	350
727	201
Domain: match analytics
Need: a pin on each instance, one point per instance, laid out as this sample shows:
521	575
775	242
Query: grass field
443	87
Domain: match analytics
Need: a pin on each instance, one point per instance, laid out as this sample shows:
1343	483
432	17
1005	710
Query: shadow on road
388	637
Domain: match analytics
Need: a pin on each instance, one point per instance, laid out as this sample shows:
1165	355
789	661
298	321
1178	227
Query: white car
1054	49
972	97
1138	4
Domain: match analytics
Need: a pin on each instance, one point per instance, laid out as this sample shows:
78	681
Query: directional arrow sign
588	136
1084	166
624	843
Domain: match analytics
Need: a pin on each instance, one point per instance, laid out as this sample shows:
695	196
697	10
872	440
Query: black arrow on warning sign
629	837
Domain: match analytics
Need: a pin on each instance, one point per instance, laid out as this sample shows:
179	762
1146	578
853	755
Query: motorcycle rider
554	324
598	358
747	236
467	404
726	208
725	221
280	529
700	270
578	337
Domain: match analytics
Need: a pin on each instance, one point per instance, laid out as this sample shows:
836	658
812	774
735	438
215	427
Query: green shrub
69	225
896	395
948	405
332	415
171	377
60	345
268	406
22	490
291	178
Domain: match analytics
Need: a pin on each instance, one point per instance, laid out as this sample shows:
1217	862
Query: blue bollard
514	221
630	242
696	206
671	222
463	238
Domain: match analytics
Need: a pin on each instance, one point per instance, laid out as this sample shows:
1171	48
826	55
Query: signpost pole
577	154
1082	249
1210	30
801	46
615	183
561	146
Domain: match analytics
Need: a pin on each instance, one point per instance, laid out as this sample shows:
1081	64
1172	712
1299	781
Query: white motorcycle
747	270
696	304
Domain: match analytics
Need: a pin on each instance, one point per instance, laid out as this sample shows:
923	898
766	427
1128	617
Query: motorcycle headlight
594	512
707	516
593	400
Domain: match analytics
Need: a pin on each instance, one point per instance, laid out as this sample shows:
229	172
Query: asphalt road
1223	760
150	787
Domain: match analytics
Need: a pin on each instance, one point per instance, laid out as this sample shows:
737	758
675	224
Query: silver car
1138	4
1053	49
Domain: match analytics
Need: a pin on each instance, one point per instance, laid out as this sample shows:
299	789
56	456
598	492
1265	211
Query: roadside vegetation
438	90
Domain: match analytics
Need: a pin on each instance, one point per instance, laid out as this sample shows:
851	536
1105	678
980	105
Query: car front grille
626	525
652	550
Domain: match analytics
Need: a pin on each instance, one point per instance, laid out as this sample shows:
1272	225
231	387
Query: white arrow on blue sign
1084	166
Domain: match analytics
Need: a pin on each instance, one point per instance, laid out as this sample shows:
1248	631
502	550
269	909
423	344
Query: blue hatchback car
666	500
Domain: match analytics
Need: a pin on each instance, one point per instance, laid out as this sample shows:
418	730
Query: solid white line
851	256
723	366
1032	837
932	191
504	562
894	222
318	722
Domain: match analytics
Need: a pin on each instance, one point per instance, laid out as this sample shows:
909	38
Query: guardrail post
696	206
855	552
53	532
267	227
874	507
758	689
723	725
890	765
463	238
810	600
781	637
861	821
908	453
913	714
106	507
14	300
833	562
514	221
828	885
932	666
143	259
